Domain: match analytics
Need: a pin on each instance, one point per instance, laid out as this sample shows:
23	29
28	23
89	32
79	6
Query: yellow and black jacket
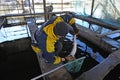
46	38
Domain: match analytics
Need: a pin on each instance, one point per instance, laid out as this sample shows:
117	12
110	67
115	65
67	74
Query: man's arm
71	20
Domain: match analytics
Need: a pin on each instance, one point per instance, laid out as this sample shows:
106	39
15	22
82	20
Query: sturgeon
74	49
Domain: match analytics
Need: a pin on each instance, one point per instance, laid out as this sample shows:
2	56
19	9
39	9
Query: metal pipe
96	21
29	6
91	12
26	14
92	8
62	5
33	7
44	6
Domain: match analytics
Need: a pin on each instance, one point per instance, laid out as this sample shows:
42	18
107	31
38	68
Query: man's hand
69	58
76	31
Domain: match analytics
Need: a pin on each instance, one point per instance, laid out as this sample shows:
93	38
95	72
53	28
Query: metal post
22	5
33	9
62	5
91	12
45	13
30	6
92	8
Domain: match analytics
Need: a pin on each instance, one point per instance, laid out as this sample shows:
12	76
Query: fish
74	49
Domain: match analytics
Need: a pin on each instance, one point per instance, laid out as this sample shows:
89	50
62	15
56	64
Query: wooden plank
32	27
101	70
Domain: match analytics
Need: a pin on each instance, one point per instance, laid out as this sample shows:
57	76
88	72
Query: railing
15	26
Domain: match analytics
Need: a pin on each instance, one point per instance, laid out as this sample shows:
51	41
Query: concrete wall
15	46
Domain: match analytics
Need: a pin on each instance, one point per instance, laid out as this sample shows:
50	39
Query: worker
49	35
